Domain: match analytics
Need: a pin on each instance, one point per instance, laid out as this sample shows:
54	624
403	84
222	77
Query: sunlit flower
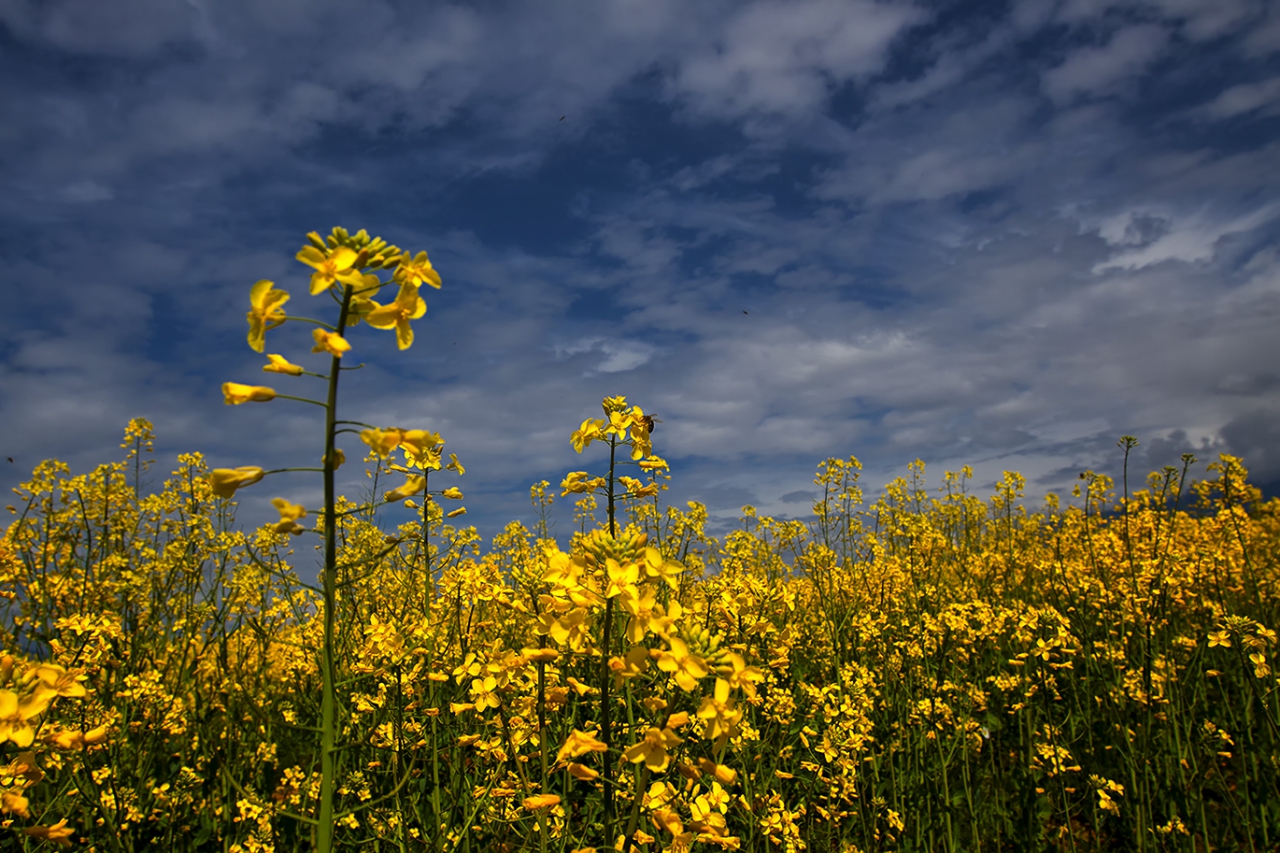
382	441
265	312
455	465
59	833
225	481
720	712
330	342
462	510
578	744
234	393
453	493
687	667
416	270
408	306
591	430
336	266
652	750
412	486
280	364
289	515
541	801
420	446
68	739
581	771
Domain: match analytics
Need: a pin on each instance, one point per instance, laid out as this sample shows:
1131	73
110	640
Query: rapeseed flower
653	749
579	743
396	315
330	268
687	667
412	486
280	364
330	342
59	833
234	393
225	481
416	271
382	441
265	312
289	515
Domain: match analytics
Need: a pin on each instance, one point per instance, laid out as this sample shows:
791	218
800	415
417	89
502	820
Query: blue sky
984	234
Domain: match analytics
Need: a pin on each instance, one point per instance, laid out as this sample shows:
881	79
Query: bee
649	421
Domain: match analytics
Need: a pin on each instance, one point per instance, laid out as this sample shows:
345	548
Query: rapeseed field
931	671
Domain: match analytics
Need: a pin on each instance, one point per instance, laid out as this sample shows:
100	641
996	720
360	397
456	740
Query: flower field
931	671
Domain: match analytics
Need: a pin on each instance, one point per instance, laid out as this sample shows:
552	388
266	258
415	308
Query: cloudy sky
991	234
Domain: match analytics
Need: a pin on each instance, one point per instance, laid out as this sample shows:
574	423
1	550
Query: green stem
328	675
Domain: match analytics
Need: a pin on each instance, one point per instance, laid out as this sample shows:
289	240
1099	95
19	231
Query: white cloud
1101	70
1262	96
784	58
1189	239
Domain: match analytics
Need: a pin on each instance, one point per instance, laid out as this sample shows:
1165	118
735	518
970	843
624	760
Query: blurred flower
330	342
225	481
234	393
280	364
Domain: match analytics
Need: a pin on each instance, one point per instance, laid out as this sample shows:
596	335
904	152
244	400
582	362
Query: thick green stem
328	675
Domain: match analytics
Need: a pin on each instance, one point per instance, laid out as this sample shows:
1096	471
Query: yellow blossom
652	750
265	312
579	743
382	441
225	481
330	342
338	458
59	833
289	515
234	393
416	271
462	510
541	801
688	667
453	493
396	315
414	484
330	268
280	364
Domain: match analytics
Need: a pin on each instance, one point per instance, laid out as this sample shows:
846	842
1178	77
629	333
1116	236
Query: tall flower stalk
346	267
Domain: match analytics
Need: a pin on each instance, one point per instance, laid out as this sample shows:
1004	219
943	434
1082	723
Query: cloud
785	58
1262	97
1103	70
1189	239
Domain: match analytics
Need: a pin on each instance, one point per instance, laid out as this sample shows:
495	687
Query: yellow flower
578	744
338	458
16	715
79	740
462	510
453	493
455	465
362	300
413	485
289	515
408	306
541	801
382	441
234	393
653	749
591	430
280	364
580	771
688	667
59	833
416	271
422	448
57	681
720	711
331	268
330	342
265	312
12	802
225	481
1219	638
